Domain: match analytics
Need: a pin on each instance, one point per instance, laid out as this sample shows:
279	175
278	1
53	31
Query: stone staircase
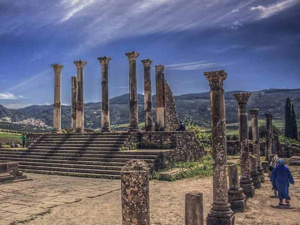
87	155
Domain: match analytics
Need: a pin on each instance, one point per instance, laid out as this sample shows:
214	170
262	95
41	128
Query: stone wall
171	117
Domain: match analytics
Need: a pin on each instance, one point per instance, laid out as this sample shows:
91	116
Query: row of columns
77	93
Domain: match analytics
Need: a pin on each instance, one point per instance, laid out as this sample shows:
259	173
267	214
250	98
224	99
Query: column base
79	130
261	174
256	179
133	129
56	131
247	186
148	128
220	215
105	130
237	200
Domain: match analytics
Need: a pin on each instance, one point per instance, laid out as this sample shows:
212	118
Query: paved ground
51	200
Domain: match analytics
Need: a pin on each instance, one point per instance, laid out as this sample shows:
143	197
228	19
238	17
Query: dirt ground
51	200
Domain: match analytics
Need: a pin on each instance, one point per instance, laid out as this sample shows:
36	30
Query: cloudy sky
255	41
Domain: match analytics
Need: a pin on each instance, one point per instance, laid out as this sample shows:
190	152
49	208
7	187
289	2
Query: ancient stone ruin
9	172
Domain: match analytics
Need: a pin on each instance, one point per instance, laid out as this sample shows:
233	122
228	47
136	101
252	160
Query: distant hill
192	107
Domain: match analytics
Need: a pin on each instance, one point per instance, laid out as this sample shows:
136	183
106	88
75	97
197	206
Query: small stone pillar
57	98
265	166
245	181
236	196
135	193
133	97
254	174
105	115
220	212
269	133
160	96
73	108
80	97
255	140
147	94
194	208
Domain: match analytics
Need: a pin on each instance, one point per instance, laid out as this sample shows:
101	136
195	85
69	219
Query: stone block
194	208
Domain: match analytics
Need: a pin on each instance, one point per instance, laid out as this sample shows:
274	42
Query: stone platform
9	172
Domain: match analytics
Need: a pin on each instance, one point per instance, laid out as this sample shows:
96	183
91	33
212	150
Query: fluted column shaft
80	96
147	94
220	212
269	133
255	135
105	115
133	97
160	96
245	181
73	109
57	98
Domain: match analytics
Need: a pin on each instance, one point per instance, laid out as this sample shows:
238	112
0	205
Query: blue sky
255	41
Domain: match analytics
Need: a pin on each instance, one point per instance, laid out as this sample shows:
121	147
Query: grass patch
7	138
200	168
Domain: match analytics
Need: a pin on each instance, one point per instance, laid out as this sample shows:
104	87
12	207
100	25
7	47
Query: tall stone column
133	97
255	140
57	98
160	96
73	108
80	100
220	212
245	181
105	115
147	94
269	133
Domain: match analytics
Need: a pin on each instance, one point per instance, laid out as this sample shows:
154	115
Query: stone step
49	145
74	148
67	141
89	175
73	170
83	136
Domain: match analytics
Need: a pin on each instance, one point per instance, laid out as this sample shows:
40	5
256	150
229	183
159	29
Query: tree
288	114
294	128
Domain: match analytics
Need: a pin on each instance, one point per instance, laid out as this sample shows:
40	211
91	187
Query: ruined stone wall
171	117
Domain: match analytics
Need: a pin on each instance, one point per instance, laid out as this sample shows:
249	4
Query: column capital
80	64
146	62
159	69
57	67
104	61
132	56
216	79
242	97
269	115
254	112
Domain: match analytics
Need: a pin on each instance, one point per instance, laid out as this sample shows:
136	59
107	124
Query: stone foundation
9	171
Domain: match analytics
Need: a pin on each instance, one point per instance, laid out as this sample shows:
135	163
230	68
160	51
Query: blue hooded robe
282	177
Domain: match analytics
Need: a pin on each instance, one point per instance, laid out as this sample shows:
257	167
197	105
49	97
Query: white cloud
234	26
267	11
10	96
191	66
73	7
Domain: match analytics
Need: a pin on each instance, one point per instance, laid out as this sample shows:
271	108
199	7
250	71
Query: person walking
282	177
24	138
272	166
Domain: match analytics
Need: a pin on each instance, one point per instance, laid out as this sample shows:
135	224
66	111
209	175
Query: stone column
245	181
194	208
254	173
236	196
160	96
133	96
80	100
105	115
135	193
255	140
269	132
147	94
73	108
57	98
220	212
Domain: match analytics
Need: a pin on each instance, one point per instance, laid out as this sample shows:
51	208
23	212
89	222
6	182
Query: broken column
80	101
255	140
194	208
147	94
135	193
236	196
254	173
220	212
245	181
133	97
160	97
269	132
105	116
73	108
57	98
